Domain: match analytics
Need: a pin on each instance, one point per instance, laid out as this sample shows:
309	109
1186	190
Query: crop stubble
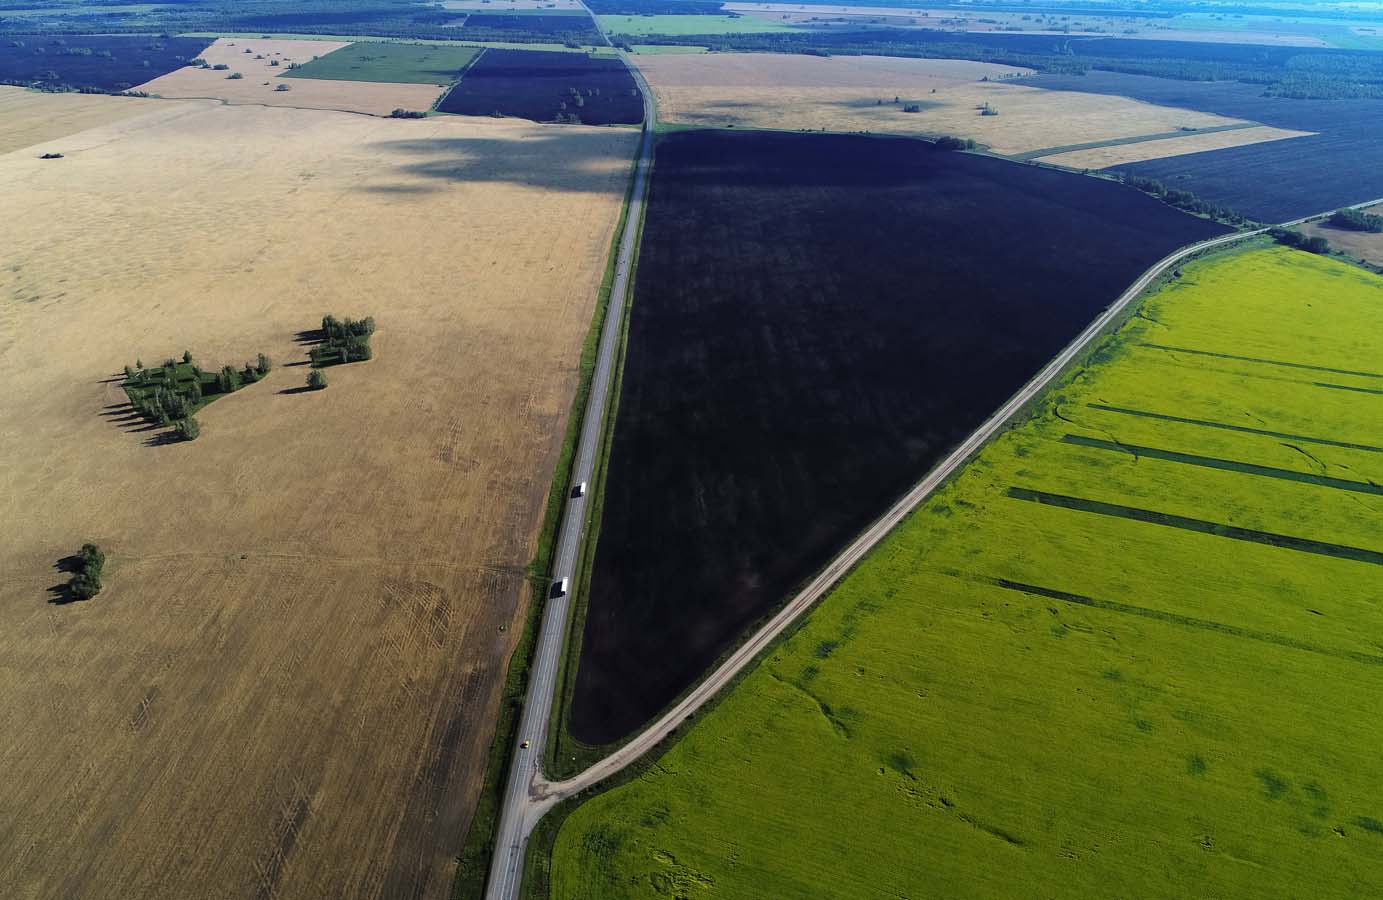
795	92
288	686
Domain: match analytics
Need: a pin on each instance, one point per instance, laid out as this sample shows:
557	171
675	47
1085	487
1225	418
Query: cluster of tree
170	393
1184	200
1289	238
86	580
343	341
1357	220
401	113
950	142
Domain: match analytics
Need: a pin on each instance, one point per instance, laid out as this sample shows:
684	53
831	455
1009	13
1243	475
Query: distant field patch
1339	164
263	64
389	62
522	26
898	96
546	87
1049	681
92	61
1176	145
640	25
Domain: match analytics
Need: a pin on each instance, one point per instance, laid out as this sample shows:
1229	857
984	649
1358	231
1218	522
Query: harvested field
262	79
794	92
817	319
1364	245
28	118
288	686
1118	154
1055	679
1340	164
539	86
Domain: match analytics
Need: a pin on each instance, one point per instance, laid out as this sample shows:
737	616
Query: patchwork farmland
807	310
1132	650
543	86
1338	164
263	66
288	686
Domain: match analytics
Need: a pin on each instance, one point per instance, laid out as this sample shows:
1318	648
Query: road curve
518	811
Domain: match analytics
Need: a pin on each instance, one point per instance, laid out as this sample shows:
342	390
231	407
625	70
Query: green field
1134	650
689	25
412	63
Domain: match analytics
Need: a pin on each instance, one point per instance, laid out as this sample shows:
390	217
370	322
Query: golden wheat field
288	686
30	118
796	92
261	80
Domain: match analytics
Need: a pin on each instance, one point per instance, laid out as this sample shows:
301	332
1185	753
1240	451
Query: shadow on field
297	390
564	161
310	336
61	594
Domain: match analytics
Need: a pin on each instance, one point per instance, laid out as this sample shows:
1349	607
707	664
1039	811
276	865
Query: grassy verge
474	860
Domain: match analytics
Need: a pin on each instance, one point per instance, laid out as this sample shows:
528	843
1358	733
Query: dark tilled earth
817	320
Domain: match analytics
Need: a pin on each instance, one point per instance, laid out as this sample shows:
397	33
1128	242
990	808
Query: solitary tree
187	357
188	429
316	379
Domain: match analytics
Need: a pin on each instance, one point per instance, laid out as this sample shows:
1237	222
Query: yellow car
524	745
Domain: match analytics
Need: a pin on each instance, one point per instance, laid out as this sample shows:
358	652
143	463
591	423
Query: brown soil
1363	245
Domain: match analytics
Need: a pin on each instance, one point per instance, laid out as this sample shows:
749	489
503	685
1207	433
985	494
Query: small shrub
263	364
220	67
188	429
234	76
51	156
282	87
86	581
316	379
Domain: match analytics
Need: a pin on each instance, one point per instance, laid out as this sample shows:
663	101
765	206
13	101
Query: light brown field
792	92
289	685
259	86
987	20
1361	244
29	117
1119	154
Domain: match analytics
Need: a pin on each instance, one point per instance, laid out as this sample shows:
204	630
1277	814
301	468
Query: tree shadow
298	390
60	594
310	336
301	362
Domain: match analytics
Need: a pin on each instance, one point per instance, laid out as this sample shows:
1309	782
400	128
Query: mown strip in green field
1011	698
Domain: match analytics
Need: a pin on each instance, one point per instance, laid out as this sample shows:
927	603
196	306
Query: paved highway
521	808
